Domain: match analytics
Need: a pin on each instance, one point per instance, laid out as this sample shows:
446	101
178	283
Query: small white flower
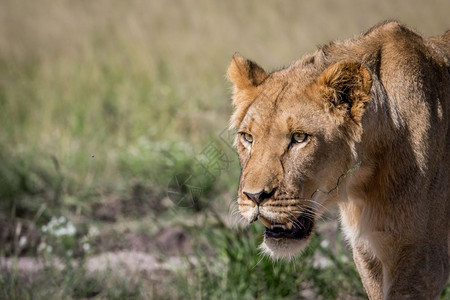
22	241
321	262
70	229
93	231
58	232
49	249
324	244
86	247
52	222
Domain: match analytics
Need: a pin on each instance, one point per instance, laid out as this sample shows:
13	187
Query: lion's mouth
297	229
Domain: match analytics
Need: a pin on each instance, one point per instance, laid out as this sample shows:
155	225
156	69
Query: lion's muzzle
297	229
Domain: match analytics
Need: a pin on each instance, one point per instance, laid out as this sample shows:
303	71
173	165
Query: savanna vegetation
117	175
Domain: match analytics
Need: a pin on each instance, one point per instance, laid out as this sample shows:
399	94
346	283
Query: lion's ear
245	75
345	86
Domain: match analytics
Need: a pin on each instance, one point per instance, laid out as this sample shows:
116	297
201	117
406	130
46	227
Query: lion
364	124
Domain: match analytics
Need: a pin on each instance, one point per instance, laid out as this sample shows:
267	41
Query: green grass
239	270
68	283
108	103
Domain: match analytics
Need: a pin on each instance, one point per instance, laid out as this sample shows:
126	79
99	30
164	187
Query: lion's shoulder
391	27
390	41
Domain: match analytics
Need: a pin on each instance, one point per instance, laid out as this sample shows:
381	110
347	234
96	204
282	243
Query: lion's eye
299	137
247	137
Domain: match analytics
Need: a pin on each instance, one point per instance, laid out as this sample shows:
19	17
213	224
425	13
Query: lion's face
295	142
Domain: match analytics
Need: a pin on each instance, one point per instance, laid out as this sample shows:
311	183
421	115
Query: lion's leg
418	273
370	270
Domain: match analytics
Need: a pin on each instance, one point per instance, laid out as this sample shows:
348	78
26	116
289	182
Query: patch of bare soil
132	262
132	253
141	200
169	241
146	266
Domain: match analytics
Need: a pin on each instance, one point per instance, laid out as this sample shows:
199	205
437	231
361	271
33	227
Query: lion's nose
258	198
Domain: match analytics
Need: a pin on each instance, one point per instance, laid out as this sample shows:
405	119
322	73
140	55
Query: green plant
238	269
68	282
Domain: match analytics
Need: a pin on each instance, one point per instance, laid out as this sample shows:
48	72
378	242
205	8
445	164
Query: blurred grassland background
104	103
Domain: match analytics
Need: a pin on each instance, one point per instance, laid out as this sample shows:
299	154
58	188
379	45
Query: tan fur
376	110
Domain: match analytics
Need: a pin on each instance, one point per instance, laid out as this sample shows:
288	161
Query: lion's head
297	132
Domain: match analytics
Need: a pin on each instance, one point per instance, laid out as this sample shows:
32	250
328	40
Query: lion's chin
284	241
283	248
